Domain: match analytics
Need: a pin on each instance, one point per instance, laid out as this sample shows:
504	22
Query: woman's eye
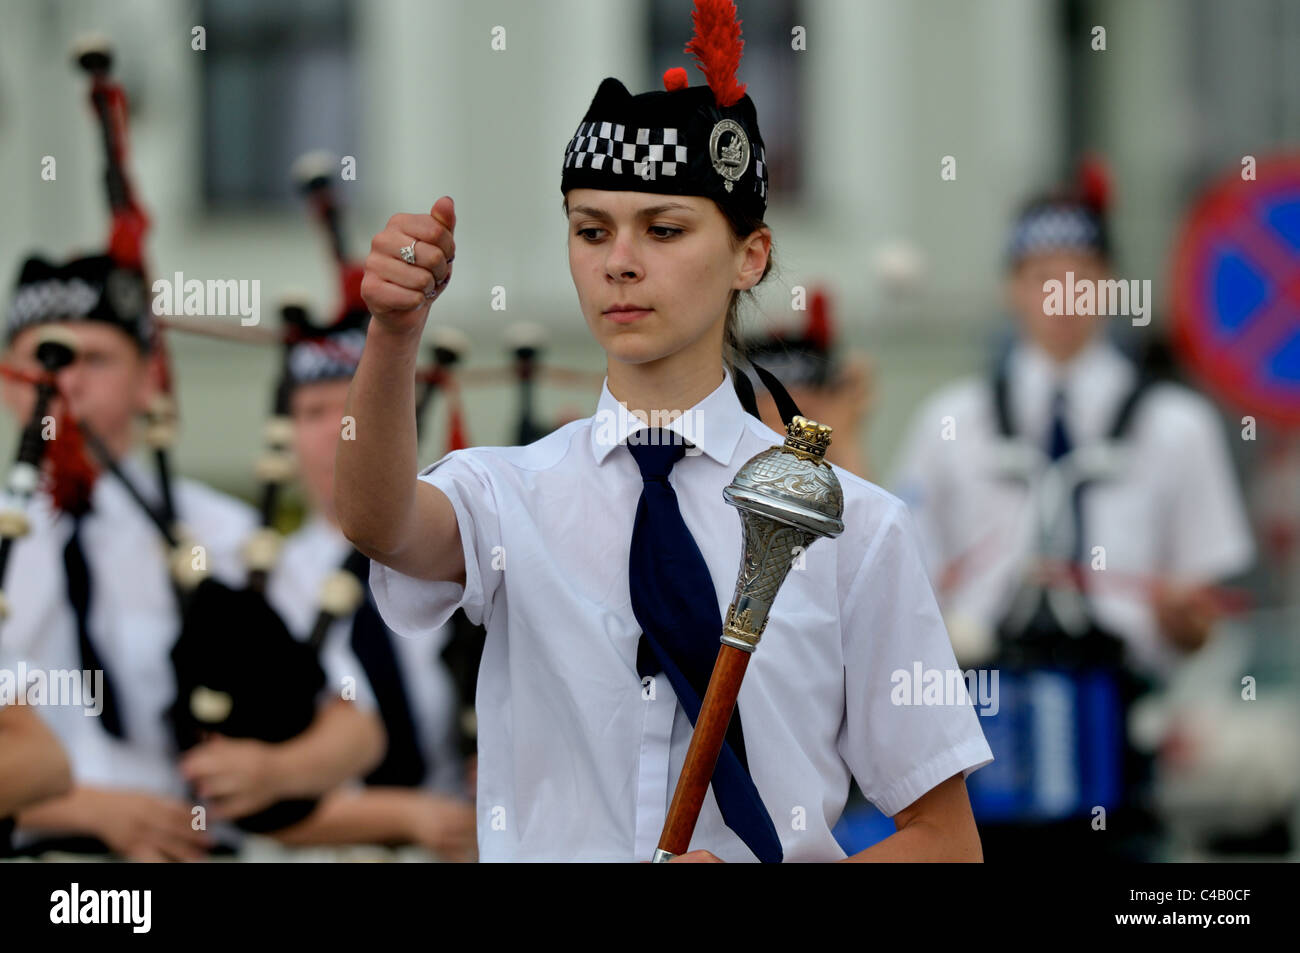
666	228
583	232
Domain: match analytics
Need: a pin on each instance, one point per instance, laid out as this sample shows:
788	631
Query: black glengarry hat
682	140
1070	219
92	288
315	352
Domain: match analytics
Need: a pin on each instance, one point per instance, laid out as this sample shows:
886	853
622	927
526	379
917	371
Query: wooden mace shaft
706	743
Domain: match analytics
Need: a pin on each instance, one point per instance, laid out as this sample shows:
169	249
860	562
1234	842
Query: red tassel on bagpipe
71	476
456	437
68	474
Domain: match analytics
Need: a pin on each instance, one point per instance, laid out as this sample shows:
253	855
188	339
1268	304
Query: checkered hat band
1055	228
625	150
54	299
640	152
326	358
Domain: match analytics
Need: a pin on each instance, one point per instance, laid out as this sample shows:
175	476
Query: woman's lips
625	317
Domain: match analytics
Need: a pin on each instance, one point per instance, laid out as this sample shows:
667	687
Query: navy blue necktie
79	588
677	608
1058	439
1058	445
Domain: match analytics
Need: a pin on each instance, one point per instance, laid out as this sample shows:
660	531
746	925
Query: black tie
1058	438
79	589
403	765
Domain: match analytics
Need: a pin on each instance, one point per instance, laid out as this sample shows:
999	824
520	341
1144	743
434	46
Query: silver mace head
788	496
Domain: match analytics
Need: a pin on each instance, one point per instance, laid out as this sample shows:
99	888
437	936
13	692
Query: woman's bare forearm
922	843
381	507
938	826
374	470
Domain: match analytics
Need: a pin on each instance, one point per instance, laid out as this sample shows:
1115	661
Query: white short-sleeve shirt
575	761
1169	509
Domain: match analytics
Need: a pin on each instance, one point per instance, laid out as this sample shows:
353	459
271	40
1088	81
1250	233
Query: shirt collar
714	425
1097	358
1092	381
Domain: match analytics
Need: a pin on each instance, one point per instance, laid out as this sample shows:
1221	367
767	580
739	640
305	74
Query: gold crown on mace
807	437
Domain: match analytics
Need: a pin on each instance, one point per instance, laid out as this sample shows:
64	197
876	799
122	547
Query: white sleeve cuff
966	757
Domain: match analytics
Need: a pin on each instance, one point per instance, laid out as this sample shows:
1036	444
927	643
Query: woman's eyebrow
649	212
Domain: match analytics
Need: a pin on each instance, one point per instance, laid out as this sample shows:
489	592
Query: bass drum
1063	763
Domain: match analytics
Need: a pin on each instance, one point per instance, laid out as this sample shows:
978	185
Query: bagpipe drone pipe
53	354
239	672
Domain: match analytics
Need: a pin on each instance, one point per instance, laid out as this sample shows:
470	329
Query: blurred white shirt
133	618
1172	509
575	763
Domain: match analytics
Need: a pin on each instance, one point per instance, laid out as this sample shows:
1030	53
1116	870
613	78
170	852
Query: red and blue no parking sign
1236	290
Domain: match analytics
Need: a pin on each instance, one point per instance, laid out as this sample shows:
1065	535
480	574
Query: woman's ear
753	258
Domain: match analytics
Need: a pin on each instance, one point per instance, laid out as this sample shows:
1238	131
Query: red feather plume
1094	182
716	47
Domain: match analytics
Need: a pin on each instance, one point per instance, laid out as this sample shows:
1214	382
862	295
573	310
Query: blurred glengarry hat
91	288
314	353
682	140
1070	219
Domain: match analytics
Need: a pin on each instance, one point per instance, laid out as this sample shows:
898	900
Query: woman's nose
622	263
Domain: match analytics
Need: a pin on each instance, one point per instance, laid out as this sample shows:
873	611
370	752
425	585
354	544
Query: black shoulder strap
1124	416
1119	427
1001	399
101	453
785	404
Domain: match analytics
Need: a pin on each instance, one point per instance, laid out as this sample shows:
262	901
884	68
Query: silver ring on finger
408	253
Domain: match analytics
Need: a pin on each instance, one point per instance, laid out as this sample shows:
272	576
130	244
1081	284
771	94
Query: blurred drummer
1068	495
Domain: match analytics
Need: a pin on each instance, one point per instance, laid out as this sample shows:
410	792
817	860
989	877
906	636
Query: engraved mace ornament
787	496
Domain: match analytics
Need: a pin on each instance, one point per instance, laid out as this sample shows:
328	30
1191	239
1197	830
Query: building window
279	79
